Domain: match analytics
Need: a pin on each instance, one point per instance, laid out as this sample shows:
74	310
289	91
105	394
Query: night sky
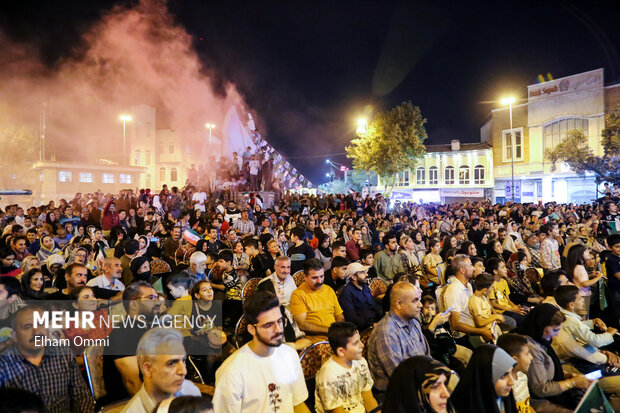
309	69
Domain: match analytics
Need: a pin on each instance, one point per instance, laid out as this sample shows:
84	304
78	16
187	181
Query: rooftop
477	146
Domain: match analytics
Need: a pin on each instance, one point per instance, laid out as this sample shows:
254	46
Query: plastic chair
313	358
299	278
250	288
93	363
377	287
241	329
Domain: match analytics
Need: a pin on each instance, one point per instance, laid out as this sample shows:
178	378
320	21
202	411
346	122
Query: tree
391	143
577	154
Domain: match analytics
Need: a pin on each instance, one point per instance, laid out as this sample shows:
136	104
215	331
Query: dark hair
258	303
565	294
196	288
74	294
550	282
432	242
11	285
299	232
492	264
484	280
428	299
475	260
250	242
575	258
131	246
212	255
339	334
226	255
132	291
387	237
613	240
338	244
339	262
18	401
312	264
180	279
548	227
69	269
189	404
512	343
365	252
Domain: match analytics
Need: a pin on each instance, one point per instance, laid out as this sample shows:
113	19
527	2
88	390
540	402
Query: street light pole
125	119
210	126
509	101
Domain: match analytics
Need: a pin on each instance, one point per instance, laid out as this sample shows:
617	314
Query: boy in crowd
344	382
516	346
480	306
500	292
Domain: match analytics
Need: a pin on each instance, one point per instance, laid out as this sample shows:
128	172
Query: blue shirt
359	306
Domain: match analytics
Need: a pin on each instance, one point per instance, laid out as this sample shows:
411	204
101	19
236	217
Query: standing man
280	386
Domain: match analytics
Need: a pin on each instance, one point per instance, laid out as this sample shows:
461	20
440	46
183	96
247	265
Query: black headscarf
327	252
411	383
534	326
135	265
476	389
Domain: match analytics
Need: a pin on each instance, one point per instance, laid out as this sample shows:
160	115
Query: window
517	136
173	174
449	175
402	179
65	176
420	176
464	175
479	175
147	157
137	157
86	177
107	178
162	174
171	149
125	179
432	175
555	132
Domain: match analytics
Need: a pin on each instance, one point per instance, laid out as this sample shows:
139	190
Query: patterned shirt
57	380
337	386
244	227
392	341
549	254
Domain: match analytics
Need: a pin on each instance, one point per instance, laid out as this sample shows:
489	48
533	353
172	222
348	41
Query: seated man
161	359
314	305
109	282
197	267
358	305
280	386
75	276
398	335
344	382
52	373
336	276
281	280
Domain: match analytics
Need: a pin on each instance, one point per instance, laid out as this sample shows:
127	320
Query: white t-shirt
248	383
201	197
579	276
254	165
521	393
457	295
337	386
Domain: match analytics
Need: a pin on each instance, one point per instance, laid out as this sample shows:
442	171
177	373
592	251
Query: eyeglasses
271	324
148	297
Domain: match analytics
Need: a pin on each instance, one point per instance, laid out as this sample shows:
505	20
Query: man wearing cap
357	303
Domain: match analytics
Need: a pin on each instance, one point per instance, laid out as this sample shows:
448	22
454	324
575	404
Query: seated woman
83	300
486	385
141	269
550	388
32	285
418	384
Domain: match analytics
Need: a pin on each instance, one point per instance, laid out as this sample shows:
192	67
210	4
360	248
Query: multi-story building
447	173
552	110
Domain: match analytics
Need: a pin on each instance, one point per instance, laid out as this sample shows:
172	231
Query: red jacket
110	219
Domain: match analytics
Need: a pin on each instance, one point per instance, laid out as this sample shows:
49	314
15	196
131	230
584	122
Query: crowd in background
519	301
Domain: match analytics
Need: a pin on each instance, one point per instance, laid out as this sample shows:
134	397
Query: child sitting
344	381
516	346
436	328
480	306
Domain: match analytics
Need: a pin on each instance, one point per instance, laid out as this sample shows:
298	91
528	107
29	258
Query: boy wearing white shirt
263	375
344	381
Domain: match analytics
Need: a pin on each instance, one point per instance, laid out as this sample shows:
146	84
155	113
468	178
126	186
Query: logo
564	85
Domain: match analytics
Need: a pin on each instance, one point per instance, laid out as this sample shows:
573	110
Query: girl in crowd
32	285
83	300
546	379
419	384
419	242
29	263
48	247
449	242
578	255
486	385
241	260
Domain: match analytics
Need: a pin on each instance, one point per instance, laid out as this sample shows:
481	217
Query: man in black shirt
300	251
75	275
336	276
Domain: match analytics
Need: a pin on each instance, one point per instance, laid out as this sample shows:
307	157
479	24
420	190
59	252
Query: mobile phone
595	375
448	310
154	239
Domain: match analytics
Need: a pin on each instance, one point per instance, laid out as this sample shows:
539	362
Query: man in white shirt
264	375
161	359
282	281
198	199
110	279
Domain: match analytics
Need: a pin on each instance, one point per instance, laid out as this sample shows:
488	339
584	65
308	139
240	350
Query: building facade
447	173
552	110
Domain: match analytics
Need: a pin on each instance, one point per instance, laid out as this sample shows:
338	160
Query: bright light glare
361	122
209	126
326	160
327	175
125	118
508	101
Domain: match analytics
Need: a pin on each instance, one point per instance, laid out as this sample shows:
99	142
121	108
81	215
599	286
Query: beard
275	341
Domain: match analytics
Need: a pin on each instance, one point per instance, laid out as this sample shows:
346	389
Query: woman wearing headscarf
33	285
48	247
546	379
324	251
141	269
418	385
486	384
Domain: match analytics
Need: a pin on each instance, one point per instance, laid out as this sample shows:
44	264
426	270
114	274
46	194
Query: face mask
145	275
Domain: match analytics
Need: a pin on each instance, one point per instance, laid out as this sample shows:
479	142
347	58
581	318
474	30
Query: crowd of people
473	307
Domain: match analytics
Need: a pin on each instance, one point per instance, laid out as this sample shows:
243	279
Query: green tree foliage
19	150
391	143
576	152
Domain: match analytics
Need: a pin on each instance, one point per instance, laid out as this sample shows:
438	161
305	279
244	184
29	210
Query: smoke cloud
132	56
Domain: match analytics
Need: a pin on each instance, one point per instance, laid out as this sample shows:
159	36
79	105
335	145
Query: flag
191	236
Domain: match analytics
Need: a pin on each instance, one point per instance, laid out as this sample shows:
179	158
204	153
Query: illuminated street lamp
362	124
125	118
510	101
210	126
